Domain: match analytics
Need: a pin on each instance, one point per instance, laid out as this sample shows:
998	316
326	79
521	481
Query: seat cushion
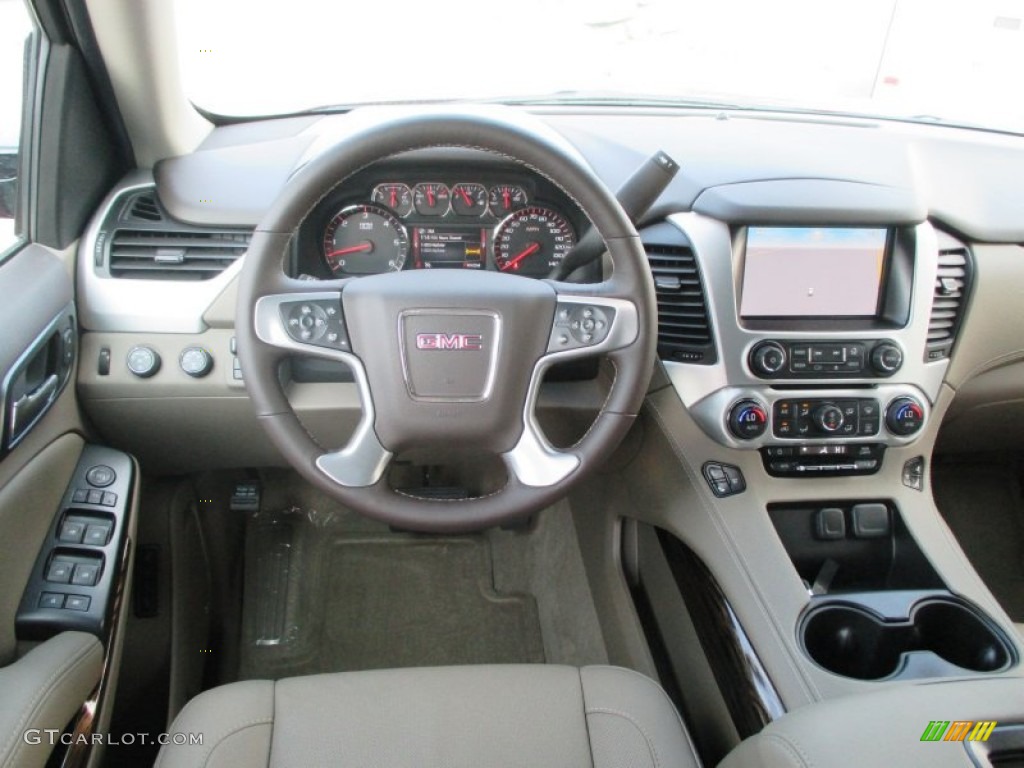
513	715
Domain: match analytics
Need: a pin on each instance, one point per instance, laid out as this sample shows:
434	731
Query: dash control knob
143	361
748	419
904	416
196	362
828	417
886	359
768	358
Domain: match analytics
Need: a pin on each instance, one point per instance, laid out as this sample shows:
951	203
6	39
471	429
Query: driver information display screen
812	272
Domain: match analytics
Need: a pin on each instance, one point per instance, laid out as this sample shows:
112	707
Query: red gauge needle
364	247
507	198
430	197
394	197
465	196
529	250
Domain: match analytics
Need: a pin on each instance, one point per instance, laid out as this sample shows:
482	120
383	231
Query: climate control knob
904	416
886	359
828	417
748	419
768	358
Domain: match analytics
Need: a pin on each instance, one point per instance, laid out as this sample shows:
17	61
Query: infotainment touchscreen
813	272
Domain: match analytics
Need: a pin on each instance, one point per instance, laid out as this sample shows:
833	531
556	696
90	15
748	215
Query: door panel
40	426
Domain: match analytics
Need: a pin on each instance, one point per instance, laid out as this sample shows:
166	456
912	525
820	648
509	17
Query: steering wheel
446	356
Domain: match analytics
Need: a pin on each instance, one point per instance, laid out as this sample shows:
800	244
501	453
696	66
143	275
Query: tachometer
533	241
397	197
365	240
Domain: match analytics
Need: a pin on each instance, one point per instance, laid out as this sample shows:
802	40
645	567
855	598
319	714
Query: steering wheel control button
768	359
724	479
196	362
100	476
904	416
748	419
143	361
580	325
315	322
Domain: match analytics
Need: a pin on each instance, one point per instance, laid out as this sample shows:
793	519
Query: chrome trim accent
702	388
138	306
533	459
362	462
493	352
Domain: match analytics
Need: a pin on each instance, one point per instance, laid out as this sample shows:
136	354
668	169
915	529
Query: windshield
955	61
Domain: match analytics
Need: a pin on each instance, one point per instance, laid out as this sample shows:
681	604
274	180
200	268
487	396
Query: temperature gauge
431	199
397	197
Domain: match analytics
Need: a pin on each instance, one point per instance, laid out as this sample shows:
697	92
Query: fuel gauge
397	197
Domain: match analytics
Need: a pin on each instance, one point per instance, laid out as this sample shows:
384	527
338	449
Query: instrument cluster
438	223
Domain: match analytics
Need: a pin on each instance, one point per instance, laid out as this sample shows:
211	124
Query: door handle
29	406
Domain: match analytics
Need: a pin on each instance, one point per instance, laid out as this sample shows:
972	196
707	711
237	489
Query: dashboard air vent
145	208
949	301
173	254
684	328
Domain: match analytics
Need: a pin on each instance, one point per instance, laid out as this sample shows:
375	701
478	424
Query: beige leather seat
473	717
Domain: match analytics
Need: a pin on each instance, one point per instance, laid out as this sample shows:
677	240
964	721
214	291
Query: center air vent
684	328
949	301
140	240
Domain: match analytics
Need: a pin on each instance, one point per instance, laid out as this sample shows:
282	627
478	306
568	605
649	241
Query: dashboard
440	216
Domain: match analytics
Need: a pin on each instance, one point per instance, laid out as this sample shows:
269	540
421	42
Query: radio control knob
904	416
748	419
768	358
828	417
886	359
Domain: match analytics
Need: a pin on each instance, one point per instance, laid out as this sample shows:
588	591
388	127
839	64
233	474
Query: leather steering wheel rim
538	475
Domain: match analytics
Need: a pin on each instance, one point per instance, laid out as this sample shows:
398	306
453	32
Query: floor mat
982	505
320	599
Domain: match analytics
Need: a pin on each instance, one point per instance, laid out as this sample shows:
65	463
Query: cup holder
856	642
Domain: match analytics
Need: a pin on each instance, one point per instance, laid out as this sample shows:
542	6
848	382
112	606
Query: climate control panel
825	418
799	359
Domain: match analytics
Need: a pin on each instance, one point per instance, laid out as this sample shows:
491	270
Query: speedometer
532	241
365	240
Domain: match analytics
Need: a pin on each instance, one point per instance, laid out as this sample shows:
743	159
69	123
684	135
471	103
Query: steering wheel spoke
362	462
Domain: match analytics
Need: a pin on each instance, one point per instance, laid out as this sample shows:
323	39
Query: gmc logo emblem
466	342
